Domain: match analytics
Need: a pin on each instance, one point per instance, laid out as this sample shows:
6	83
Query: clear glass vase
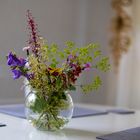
49	114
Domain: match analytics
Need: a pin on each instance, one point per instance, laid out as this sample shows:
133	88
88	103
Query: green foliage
48	110
72	87
92	86
103	64
49	122
40	105
52	56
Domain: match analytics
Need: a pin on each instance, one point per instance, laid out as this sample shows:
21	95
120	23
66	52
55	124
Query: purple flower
72	65
12	60
29	76
71	58
87	66
22	62
16	73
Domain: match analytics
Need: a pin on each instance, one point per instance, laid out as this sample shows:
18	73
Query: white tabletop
85	128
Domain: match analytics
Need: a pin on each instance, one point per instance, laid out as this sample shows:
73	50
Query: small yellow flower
56	71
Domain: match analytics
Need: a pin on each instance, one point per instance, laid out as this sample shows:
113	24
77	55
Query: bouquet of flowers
51	71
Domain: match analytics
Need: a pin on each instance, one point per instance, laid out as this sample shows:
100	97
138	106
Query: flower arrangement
51	71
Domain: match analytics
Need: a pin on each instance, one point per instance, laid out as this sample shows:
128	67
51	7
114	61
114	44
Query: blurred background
81	21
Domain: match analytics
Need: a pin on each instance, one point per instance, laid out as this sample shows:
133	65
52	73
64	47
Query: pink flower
26	48
87	66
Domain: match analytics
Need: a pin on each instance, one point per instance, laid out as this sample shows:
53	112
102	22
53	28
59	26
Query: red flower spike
33	33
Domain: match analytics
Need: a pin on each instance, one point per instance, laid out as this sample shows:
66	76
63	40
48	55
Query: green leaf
72	87
103	64
92	86
39	105
70	44
97	53
53	65
64	96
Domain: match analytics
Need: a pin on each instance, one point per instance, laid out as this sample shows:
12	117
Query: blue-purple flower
16	73
29	76
22	62
12	60
18	66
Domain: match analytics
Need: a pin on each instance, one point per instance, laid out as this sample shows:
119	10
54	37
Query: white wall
134	101
82	21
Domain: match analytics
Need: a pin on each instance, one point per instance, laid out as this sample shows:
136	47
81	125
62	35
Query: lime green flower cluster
55	69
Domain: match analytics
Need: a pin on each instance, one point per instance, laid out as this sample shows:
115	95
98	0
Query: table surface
84	128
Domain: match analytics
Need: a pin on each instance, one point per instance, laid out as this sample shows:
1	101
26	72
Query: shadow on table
70	132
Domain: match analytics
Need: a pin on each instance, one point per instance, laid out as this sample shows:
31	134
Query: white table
86	128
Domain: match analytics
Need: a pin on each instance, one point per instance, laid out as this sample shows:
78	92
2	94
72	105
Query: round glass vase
48	114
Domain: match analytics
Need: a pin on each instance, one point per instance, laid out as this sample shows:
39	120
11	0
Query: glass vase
49	113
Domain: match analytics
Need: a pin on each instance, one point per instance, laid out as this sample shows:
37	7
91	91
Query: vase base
43	125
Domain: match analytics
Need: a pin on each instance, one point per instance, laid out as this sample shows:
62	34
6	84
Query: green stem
54	116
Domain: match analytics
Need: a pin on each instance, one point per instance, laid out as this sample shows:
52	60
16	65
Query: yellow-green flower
55	71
